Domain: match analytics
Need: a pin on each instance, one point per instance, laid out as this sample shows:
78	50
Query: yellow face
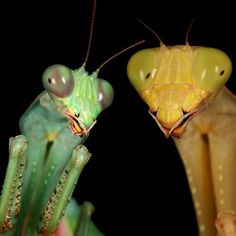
177	82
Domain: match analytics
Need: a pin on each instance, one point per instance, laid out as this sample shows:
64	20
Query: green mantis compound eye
142	68
105	93
58	80
211	68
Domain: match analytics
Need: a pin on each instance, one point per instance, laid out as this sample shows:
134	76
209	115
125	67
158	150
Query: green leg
11	193
35	157
85	226
33	127
56	205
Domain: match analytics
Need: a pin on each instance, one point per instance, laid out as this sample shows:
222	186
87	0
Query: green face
79	97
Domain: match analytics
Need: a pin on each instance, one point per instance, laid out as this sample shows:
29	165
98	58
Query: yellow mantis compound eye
211	68
141	68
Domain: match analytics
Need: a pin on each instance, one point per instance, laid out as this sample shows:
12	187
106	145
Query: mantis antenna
91	32
117	54
187	34
90	41
150	29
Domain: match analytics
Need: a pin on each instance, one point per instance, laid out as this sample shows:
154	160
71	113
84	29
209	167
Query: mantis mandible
183	86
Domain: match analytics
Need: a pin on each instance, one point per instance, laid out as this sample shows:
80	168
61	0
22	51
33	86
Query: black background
135	177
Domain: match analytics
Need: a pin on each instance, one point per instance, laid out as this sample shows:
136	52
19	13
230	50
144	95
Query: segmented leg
195	156
10	202
208	151
55	207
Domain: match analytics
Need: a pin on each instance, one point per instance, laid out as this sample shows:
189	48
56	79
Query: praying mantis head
177	82
78	96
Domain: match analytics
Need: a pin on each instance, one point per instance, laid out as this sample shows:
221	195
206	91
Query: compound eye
105	93
58	80
141	68
211	68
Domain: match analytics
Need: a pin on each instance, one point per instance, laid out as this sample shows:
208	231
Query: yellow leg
208	151
194	153
223	162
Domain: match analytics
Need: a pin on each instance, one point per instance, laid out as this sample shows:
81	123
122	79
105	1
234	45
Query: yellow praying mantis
183	86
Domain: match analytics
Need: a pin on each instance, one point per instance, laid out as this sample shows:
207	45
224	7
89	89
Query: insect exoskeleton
177	82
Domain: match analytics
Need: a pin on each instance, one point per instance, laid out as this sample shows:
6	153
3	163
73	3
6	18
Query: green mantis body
47	159
57	122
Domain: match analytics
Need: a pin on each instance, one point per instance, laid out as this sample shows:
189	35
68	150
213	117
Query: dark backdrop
135	177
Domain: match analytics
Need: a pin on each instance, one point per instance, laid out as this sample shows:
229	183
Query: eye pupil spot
222	72
148	75
58	80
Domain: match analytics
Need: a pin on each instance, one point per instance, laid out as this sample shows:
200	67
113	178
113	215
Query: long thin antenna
189	28
149	28
117	54
91	32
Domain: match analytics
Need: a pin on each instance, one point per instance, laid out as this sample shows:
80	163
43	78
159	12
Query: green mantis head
78	96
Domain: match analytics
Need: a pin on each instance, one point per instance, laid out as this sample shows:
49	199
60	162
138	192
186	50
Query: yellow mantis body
184	89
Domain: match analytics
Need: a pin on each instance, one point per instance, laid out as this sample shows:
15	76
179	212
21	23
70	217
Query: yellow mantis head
177	82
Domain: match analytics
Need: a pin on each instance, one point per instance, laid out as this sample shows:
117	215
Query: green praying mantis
46	160
46	123
50	169
183	86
